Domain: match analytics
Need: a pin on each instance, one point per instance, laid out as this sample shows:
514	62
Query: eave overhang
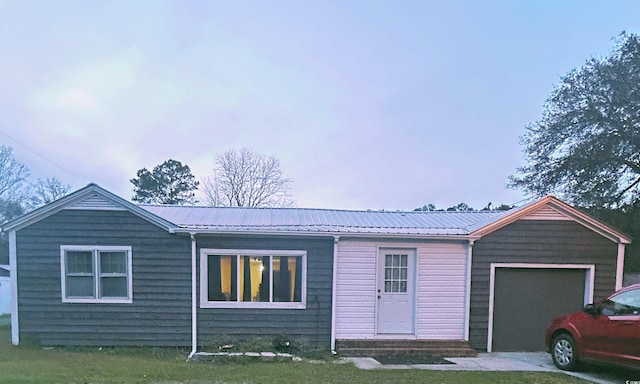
560	206
79	195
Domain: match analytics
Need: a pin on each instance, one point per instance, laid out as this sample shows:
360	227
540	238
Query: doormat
411	360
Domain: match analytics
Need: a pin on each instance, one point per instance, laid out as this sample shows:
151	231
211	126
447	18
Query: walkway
509	361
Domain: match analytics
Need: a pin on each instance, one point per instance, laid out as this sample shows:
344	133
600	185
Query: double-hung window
96	274
252	279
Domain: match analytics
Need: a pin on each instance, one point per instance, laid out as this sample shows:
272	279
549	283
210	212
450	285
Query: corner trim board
467	299
13	267
194	300
334	295
620	266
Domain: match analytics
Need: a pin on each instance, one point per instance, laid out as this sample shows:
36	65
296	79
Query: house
95	269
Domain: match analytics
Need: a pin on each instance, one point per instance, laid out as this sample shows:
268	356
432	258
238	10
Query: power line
41	156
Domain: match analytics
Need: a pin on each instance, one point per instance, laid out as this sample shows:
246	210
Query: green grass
33	364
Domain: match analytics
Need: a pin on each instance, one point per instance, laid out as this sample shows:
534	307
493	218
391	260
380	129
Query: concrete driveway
595	374
511	361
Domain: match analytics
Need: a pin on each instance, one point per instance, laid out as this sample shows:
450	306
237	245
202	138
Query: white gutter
13	271
354	235
194	302
336	239
467	294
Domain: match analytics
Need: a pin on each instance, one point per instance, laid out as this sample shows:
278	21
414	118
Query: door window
395	273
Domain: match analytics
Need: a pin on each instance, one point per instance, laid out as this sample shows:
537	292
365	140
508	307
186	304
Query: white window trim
204	279
93	249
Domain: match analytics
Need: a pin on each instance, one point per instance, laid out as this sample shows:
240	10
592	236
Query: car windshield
625	303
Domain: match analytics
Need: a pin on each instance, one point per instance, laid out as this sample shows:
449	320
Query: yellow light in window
256	278
225	275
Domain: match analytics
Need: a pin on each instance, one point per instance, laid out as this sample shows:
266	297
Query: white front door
396	274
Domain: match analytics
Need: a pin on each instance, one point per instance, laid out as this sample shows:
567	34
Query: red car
608	332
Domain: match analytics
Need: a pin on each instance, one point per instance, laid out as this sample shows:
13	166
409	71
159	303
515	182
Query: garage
526	299
544	259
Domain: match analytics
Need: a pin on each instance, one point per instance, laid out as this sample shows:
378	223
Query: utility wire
41	156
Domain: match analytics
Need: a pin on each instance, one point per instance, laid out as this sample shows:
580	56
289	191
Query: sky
367	104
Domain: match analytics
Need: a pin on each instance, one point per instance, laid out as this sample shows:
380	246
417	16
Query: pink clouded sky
368	104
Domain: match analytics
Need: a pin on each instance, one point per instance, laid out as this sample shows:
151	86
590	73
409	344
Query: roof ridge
313	225
381	211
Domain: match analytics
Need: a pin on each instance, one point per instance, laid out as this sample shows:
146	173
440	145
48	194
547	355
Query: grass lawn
32	364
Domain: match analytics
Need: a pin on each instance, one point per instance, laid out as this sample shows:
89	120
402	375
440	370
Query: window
252	279
94	274
395	273
624	304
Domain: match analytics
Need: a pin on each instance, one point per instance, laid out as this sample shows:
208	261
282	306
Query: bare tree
246	178
13	173
14	190
47	190
17	194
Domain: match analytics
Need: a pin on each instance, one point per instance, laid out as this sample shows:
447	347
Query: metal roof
328	222
269	220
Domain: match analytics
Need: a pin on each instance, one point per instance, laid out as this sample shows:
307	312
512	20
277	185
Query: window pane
261	269
113	262
113	287
79	286
287	278
623	304
629	298
79	262
254	278
222	278
396	273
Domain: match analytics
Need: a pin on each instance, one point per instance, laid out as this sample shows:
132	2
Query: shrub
222	343
256	344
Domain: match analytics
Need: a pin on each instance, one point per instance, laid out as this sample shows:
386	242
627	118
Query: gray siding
160	314
313	323
536	241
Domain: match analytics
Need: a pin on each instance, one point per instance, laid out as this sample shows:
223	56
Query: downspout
194	301
336	239
467	314
13	272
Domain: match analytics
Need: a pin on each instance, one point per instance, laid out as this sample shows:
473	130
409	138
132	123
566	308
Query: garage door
525	301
